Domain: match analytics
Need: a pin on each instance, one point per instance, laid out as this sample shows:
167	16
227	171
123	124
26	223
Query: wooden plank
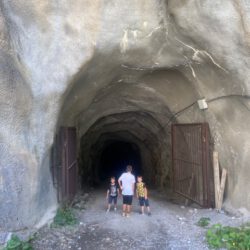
189	188
216	178
222	188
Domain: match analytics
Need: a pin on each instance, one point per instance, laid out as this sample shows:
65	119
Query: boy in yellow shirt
142	195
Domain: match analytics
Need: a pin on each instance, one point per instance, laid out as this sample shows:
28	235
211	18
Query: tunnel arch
137	128
138	109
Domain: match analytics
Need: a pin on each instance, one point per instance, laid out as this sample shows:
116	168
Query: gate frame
64	150
206	167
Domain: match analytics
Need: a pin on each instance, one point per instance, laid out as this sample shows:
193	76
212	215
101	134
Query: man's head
139	178
112	179
129	168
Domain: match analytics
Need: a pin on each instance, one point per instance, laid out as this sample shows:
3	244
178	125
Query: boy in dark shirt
112	194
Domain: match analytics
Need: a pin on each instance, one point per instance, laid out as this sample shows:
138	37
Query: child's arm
146	192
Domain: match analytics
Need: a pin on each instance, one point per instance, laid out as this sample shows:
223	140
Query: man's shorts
143	202
112	198
127	199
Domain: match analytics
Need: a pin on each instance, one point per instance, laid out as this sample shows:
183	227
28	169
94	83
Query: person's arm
107	194
137	194
146	192
120	183
133	185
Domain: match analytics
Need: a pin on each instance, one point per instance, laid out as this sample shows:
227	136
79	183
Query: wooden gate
192	163
64	167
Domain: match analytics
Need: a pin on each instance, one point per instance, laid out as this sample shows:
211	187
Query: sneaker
123	214
115	209
127	215
107	211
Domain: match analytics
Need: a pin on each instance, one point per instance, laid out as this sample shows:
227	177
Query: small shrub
16	244
203	222
64	217
232	238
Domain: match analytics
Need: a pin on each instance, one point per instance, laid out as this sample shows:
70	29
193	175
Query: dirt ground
171	226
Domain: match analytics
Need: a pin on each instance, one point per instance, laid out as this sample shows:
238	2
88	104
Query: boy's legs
115	202
109	203
142	204
142	209
147	205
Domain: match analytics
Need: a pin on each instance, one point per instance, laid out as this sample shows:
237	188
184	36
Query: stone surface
137	60
169	227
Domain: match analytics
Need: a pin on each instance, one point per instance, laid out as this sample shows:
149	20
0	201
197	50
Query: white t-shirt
127	180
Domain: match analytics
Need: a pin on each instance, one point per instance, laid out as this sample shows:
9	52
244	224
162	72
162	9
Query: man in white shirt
127	185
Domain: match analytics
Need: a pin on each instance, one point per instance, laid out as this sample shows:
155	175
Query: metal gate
192	163
64	166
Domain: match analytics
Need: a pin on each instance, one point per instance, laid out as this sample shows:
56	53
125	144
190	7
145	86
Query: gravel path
170	227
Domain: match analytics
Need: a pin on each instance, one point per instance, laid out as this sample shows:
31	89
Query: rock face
120	70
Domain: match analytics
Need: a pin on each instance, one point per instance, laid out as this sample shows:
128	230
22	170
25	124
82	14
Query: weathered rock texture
121	70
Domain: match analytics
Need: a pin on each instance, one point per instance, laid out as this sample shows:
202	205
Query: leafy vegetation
232	238
203	222
16	244
64	217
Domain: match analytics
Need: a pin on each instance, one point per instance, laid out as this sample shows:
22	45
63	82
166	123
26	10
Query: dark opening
115	156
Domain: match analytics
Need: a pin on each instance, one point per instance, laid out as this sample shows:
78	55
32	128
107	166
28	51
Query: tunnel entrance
108	153
115	156
116	140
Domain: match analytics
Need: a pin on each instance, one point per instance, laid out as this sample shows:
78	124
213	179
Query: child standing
112	194
142	195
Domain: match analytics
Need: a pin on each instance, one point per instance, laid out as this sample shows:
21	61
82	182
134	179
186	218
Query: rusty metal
192	165
65	170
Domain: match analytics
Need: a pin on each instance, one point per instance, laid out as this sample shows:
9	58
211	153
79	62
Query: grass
16	244
64	217
232	238
203	222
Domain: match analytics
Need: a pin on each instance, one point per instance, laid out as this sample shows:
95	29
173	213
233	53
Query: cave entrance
114	158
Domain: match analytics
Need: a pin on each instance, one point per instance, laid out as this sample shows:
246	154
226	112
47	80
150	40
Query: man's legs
129	203
128	209
124	206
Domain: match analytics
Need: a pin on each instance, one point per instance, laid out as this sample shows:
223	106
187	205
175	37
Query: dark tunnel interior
116	155
118	140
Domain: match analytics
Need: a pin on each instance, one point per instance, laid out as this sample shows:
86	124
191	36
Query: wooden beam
222	188
216	178
189	188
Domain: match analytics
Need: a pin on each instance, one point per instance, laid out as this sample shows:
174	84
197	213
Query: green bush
16	244
64	217
233	238
203	222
